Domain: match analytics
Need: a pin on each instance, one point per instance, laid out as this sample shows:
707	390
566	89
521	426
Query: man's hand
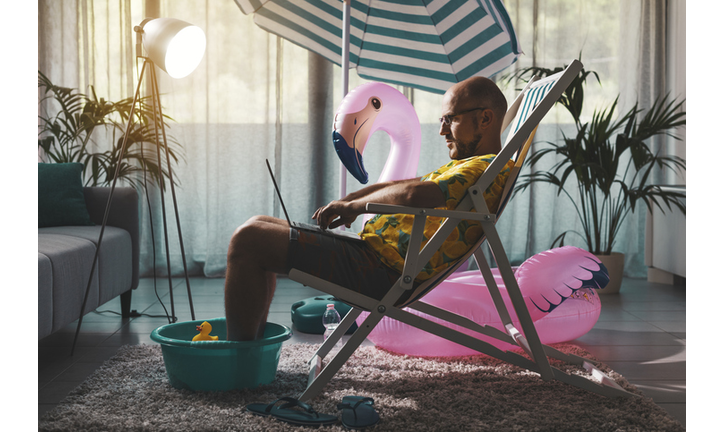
335	214
413	193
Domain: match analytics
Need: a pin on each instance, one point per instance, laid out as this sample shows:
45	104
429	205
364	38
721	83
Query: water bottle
330	319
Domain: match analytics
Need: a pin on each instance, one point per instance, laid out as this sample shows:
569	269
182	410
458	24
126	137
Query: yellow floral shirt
389	235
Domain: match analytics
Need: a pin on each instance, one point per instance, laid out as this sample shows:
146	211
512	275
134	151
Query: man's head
473	112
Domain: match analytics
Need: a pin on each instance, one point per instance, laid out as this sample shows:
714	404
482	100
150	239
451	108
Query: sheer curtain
625	42
256	97
83	43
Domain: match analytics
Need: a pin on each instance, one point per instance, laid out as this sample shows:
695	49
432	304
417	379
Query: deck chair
528	109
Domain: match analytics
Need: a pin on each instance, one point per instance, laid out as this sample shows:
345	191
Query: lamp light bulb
185	51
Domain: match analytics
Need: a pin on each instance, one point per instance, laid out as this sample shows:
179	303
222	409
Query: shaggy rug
130	392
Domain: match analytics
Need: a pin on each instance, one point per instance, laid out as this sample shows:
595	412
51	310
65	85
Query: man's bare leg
257	252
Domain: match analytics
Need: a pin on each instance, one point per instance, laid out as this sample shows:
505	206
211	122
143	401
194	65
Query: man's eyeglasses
446	119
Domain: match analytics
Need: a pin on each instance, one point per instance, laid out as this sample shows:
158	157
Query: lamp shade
175	46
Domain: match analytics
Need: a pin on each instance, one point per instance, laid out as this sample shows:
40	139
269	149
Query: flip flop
286	413
357	412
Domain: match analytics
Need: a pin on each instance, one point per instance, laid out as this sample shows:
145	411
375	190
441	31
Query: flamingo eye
376	104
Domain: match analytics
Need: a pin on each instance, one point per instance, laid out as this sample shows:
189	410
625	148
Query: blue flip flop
357	412
286	412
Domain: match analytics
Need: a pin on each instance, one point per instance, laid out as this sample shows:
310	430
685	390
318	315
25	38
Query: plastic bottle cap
330	306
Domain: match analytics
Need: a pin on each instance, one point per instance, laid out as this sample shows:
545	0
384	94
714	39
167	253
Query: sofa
66	248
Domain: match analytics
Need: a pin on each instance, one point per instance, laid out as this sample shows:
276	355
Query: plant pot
614	265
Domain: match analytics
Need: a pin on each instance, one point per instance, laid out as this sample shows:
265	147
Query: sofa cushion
71	260
60	195
45	296
115	266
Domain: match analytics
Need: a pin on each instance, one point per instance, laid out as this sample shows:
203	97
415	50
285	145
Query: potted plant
68	136
605	168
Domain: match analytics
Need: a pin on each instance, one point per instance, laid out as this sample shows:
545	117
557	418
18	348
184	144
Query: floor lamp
176	47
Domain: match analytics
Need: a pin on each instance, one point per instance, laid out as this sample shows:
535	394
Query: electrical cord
150	216
134	314
153	242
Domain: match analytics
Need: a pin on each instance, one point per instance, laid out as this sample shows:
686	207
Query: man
264	246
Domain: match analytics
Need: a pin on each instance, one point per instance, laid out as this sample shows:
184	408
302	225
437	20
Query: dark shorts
345	262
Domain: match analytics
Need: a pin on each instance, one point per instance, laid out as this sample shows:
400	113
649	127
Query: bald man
471	122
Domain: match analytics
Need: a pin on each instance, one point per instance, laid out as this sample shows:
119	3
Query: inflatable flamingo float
366	109
558	285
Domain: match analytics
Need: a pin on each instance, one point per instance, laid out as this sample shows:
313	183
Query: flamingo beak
350	157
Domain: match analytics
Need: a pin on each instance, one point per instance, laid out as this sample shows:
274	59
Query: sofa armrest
123	214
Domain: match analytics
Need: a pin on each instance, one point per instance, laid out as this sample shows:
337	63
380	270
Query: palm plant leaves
572	98
606	191
67	135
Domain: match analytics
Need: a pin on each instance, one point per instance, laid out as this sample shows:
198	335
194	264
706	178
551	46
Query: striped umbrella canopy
424	44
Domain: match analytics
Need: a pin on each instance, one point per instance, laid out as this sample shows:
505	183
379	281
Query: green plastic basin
219	365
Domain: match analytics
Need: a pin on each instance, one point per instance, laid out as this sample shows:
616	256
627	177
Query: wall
676	72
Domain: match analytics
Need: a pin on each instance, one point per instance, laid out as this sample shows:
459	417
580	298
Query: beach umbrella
424	44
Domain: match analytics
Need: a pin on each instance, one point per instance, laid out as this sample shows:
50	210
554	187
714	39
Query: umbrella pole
345	83
345	47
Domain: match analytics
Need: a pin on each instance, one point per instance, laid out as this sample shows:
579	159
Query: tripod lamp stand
177	48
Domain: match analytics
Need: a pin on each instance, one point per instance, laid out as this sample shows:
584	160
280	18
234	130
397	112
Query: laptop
305	226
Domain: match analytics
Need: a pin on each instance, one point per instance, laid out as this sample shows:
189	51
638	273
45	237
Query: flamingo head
371	107
352	128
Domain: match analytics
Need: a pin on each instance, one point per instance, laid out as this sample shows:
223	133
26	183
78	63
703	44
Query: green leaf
67	135
46	143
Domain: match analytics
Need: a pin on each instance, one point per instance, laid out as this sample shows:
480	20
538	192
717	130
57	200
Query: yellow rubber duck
205	329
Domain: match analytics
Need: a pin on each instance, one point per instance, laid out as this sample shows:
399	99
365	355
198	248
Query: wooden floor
641	334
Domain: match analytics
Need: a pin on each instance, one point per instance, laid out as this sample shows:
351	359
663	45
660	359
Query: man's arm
365	191
407	193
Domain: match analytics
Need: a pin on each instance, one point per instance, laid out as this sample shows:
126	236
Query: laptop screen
279	194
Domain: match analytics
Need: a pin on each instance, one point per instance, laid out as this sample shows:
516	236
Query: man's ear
486	119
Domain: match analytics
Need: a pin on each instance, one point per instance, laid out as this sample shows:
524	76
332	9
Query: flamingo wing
551	277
